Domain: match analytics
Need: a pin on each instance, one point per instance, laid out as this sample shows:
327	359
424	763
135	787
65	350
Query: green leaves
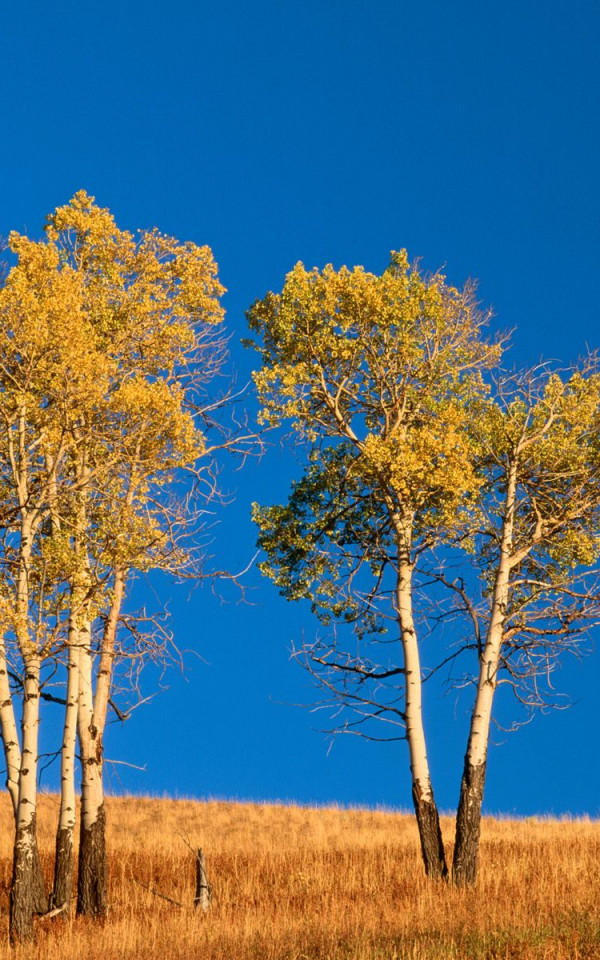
378	376
410	449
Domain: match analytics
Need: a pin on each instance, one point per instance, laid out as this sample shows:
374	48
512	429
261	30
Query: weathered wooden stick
203	890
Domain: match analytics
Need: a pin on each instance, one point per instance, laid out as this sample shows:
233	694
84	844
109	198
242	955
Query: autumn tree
124	455
38	331
536	549
152	309
377	375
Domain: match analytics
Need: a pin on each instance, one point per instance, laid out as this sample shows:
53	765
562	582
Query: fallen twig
52	913
157	894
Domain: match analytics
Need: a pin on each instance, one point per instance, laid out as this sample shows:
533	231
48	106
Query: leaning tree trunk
92	879
468	817
25	894
426	812
62	891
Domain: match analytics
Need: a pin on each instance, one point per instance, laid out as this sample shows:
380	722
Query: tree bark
62	889
430	835
40	897
92	882
468	824
23	892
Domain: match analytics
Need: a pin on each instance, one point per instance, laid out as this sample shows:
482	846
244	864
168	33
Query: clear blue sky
326	131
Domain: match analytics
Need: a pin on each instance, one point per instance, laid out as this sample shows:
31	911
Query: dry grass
322	884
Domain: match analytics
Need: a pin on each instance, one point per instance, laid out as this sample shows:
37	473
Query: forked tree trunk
468	817
62	891
426	812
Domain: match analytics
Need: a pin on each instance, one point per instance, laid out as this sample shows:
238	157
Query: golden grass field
321	884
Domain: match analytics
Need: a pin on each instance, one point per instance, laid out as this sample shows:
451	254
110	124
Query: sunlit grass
321	884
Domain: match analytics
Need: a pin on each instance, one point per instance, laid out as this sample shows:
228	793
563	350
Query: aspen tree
376	374
39	336
75	570
537	550
109	342
151	305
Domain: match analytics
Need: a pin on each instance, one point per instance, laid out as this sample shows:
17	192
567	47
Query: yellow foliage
106	341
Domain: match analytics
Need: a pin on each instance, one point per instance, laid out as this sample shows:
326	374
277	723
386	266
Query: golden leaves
106	342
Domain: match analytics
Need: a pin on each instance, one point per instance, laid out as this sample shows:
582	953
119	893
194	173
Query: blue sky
325	132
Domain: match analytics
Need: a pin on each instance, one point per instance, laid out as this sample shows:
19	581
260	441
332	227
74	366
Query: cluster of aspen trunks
108	342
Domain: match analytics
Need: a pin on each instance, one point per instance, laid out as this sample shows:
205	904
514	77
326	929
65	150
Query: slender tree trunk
62	892
12	756
10	735
92	883
468	817
93	875
428	821
25	892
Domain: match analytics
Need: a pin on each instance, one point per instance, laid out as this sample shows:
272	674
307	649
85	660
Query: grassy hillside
311	884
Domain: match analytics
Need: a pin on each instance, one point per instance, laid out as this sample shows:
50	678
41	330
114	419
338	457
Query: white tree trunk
67	766
23	895
107	654
10	735
92	878
27	893
63	860
432	847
